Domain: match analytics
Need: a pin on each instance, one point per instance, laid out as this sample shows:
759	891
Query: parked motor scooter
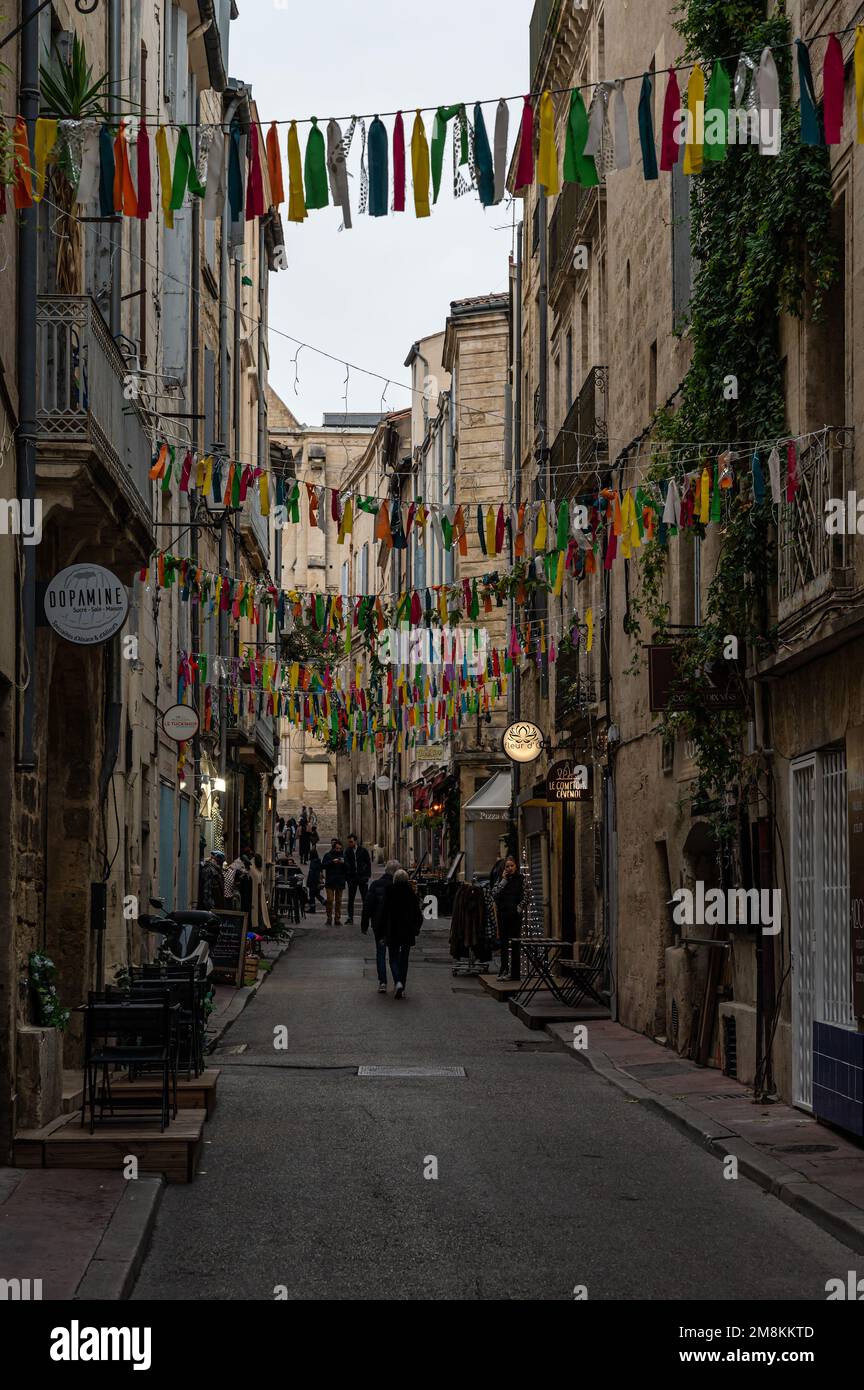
186	935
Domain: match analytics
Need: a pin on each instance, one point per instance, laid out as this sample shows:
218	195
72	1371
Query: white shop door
821	955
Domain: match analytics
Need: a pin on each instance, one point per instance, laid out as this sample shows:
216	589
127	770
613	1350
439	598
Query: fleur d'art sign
523	742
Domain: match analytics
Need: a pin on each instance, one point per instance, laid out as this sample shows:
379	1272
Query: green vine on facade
761	248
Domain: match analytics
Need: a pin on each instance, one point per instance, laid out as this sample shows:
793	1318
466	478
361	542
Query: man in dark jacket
372	911
313	882
358	867
333	865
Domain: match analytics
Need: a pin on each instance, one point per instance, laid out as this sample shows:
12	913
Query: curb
111	1274
836	1216
241	999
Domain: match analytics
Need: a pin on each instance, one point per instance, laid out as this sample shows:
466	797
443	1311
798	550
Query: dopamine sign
568	781
86	604
180	723
523	742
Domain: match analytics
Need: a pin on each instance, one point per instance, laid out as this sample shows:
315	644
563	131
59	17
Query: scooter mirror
157	902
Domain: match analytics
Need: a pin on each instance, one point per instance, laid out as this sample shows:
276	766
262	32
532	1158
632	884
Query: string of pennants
549	543
131	175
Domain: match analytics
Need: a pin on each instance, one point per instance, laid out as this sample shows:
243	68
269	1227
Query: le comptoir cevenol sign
86	604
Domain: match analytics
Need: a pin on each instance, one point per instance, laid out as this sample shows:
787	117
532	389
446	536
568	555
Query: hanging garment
296	200
811	126
420	168
274	167
502	130
547	161
88	183
695	108
337	170
399	164
379	169
717	115
578	167
646	129
525	165
315	169
45	140
144	173
833	79
255	200
483	159
106	175
217	177
768	100
670	150
623	157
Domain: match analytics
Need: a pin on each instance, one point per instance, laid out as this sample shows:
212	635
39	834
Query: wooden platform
64	1144
502	990
543	1009
198	1093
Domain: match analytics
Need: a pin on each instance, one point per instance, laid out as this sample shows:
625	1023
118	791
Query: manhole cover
408	1072
805	1148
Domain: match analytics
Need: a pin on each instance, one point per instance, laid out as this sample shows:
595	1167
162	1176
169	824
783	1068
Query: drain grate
412	1072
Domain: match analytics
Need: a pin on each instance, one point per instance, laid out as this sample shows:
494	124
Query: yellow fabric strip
46	139
540	537
420	168
165	174
547	162
296	197
696	109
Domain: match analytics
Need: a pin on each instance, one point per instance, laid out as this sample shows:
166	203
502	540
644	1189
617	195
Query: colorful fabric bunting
420	168
315	169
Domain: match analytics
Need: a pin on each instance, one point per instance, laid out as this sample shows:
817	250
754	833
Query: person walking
291	829
369	917
400	918
212	891
358	868
333	865
304	838
260	911
313	882
507	898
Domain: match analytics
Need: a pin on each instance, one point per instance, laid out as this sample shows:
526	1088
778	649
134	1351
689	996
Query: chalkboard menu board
228	952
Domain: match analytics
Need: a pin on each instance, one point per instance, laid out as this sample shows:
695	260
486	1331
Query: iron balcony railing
582	443
812	560
573	212
85	394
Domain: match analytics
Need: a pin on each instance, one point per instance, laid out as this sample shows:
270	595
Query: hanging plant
42	974
760	240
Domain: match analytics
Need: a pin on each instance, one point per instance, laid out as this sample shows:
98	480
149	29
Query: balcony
813	566
253	736
574	211
93	443
582	443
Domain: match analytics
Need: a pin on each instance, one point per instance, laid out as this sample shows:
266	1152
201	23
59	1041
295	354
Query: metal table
541	954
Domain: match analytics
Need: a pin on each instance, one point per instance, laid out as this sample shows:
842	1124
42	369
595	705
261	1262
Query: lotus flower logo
523	742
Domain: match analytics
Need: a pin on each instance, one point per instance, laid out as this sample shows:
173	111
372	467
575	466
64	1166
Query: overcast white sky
367	294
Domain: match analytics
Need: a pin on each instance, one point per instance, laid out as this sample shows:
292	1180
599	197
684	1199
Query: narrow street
313	1177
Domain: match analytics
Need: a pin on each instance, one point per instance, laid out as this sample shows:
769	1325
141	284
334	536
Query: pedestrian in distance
507	898
333	865
369	917
291	831
358	868
260	912
212	894
313	882
400	918
304	839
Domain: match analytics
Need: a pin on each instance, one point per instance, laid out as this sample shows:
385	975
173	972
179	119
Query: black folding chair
188	984
584	973
123	1033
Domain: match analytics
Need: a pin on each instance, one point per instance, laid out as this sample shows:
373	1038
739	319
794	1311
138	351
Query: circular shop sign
383	784
86	604
180	722
523	742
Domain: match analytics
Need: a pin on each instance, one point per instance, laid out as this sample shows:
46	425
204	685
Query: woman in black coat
507	896
398	922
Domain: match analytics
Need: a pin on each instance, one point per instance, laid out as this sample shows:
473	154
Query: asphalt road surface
314	1179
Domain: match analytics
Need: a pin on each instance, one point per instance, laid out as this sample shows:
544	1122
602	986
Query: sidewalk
814	1169
83	1234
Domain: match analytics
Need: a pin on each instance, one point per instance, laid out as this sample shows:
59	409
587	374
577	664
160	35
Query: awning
492	801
